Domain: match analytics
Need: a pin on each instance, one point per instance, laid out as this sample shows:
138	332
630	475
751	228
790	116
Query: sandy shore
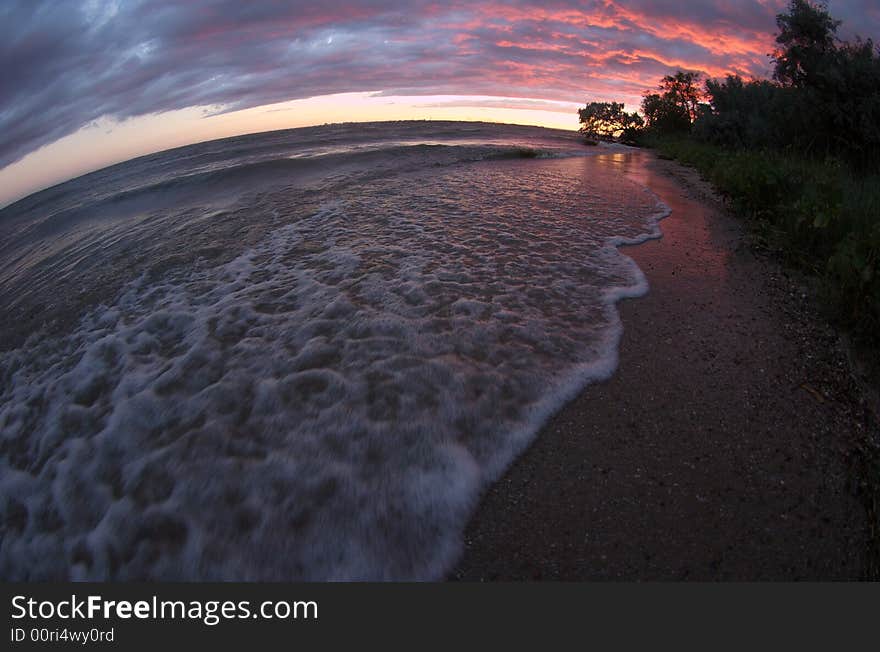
721	448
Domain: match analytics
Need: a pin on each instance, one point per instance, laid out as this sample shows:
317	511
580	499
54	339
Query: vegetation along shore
797	159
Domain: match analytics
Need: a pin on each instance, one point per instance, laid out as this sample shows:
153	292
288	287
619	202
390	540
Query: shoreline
722	447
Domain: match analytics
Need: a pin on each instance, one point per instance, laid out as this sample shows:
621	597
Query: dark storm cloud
66	64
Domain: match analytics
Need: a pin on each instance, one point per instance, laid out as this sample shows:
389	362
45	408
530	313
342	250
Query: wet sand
720	450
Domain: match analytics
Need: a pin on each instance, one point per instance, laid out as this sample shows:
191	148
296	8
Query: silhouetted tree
683	90
848	90
740	113
676	108
835	106
607	120
806	36
825	100
663	115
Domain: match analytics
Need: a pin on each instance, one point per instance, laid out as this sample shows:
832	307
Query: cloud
68	64
501	103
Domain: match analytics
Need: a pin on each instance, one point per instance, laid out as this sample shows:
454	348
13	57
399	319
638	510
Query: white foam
330	403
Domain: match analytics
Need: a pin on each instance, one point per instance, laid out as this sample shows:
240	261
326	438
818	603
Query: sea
302	354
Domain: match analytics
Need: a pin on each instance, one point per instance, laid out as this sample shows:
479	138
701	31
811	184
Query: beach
301	354
722	447
307	355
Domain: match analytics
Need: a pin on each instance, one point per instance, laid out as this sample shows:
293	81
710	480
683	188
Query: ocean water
299	355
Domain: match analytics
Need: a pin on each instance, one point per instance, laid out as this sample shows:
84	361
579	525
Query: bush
819	214
825	100
742	114
854	265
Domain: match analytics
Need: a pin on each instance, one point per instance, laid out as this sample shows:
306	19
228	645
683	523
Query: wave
231	178
328	403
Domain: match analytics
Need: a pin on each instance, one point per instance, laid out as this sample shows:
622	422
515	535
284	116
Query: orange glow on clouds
96	82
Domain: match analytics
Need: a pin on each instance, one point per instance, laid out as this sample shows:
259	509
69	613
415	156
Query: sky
87	84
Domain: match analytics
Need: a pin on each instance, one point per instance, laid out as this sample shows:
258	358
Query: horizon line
13	202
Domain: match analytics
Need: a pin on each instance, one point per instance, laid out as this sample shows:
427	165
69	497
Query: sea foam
329	403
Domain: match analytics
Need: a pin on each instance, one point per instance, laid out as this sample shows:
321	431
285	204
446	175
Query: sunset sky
90	83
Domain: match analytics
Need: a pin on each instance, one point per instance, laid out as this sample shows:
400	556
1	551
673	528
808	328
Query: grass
819	215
